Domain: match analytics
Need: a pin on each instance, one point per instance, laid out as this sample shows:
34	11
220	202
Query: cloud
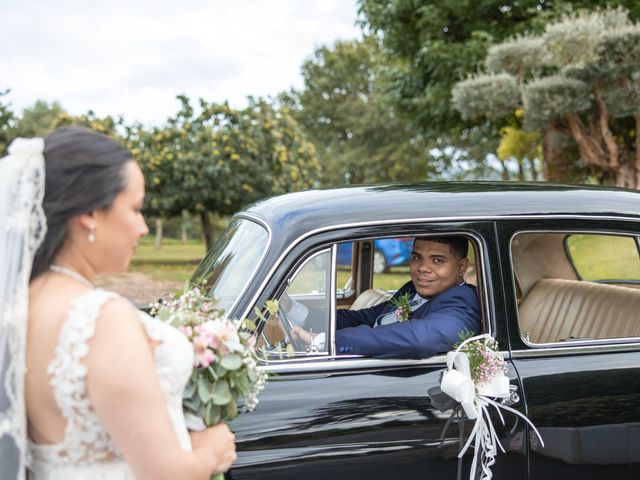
132	57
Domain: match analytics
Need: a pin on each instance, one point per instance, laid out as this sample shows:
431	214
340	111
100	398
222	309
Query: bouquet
225	366
475	377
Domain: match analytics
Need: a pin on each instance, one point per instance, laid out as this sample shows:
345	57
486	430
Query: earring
92	236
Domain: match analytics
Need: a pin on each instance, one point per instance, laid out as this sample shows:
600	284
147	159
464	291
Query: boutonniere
403	307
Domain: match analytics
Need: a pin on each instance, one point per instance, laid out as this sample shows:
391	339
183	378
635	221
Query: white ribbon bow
475	399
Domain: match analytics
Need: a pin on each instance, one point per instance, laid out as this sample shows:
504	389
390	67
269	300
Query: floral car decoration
475	378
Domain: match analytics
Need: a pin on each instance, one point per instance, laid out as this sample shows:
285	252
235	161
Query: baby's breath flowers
225	363
485	360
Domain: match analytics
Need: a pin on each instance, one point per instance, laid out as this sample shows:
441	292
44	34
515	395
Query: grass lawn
605	257
175	261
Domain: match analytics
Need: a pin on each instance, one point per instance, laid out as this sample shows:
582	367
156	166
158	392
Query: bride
91	387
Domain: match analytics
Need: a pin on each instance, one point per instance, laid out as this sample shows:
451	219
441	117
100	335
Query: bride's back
50	302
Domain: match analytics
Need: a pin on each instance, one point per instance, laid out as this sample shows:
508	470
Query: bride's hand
217	445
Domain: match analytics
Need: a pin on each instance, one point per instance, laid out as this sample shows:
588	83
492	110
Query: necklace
71	274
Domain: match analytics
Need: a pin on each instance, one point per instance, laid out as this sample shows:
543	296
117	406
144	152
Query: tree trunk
554	166
206	229
590	149
628	173
605	131
184	236
521	170
505	170
158	242
533	169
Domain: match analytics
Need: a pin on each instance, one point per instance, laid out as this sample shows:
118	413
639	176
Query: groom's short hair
458	244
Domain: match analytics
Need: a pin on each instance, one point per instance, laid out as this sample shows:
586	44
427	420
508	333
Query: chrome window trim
351	362
267	227
584	347
574	345
331	340
331	293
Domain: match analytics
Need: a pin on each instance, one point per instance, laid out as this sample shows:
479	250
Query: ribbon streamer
475	400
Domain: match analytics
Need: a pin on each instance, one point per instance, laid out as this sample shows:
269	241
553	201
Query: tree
437	43
356	130
39	119
217	159
581	75
113	127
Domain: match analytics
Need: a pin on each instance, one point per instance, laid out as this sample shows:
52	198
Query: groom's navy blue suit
432	328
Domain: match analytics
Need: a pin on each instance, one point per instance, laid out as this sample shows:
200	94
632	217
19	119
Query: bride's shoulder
113	308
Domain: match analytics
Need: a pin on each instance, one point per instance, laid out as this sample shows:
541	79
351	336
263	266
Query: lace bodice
87	449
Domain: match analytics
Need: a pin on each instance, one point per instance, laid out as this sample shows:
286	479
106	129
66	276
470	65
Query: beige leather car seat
369	298
557	310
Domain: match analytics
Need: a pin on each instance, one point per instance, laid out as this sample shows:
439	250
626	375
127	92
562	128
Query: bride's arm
125	392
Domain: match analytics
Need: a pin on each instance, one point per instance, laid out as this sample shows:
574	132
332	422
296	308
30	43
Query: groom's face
434	268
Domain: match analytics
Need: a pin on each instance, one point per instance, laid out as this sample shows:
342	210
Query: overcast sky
132	57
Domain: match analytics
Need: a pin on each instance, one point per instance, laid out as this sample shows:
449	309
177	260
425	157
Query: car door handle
513	397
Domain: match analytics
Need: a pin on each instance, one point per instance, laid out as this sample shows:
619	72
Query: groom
441	304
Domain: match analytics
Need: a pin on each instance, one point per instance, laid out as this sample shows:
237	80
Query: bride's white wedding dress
87	451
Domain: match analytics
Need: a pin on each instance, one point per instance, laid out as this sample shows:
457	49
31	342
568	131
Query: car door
582	390
323	415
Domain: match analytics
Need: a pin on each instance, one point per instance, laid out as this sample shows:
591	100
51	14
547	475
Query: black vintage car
557	269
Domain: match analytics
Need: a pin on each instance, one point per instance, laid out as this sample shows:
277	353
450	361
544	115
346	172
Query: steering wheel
298	345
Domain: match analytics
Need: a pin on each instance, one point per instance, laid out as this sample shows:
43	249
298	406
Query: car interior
558	304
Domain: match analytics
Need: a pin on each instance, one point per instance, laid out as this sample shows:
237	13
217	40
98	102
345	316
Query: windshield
226	270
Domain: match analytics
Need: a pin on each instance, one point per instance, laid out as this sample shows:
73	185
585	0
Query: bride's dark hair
84	171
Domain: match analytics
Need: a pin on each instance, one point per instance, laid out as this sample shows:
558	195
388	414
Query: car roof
320	208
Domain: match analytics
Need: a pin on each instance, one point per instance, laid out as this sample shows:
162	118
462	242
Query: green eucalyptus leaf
216	414
249	324
204	389
272	306
231	410
290	350
231	362
189	390
164	313
221	393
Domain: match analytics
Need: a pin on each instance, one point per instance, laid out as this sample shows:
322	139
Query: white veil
22	228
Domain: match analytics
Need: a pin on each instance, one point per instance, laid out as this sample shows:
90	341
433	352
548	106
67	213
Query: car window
604	257
344	269
391	258
576	286
305	303
230	264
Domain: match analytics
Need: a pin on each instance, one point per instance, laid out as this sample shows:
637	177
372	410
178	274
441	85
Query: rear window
604	257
